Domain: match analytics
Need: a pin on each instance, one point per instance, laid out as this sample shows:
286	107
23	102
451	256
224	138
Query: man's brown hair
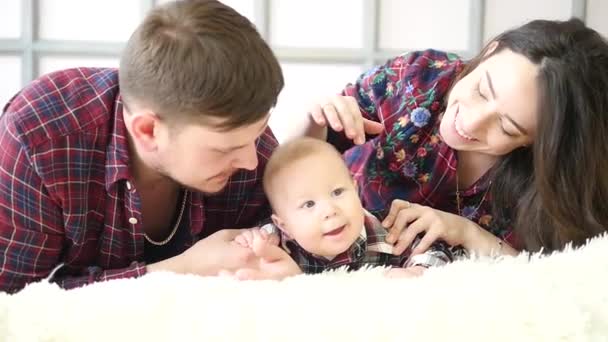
195	59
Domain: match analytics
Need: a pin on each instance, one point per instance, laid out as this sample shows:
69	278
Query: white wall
318	41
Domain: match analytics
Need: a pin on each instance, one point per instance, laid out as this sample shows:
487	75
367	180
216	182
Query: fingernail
389	239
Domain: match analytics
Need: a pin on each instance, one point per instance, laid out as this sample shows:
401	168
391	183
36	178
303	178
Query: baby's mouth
335	231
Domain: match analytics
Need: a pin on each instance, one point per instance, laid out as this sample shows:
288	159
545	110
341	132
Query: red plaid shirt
408	160
65	194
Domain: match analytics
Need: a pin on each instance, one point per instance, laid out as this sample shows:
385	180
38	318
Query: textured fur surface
562	297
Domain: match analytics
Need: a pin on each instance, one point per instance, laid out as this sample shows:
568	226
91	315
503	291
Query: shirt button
129	186
132	220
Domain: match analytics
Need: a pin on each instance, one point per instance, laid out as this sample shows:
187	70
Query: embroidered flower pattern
400	155
421	117
409	170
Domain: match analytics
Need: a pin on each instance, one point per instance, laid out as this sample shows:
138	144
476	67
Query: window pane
10	19
597	11
317	23
52	63
438	24
502	15
10	69
108	20
244	7
306	84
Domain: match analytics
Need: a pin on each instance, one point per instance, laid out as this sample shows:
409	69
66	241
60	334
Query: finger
249	238
427	240
243	255
396	207
268	252
225	273
229	234
273	239
316	112
331	115
347	116
257	234
416	271
400	273
353	108
251	274
401	222
264	234
241	241
372	127
407	236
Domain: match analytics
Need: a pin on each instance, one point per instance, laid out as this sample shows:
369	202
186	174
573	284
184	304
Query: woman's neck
472	166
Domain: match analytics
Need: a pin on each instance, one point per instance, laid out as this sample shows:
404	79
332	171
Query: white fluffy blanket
563	297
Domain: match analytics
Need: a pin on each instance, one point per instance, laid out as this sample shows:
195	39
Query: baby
318	217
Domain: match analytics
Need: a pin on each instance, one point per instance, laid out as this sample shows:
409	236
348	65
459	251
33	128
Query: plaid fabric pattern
65	194
370	249
409	160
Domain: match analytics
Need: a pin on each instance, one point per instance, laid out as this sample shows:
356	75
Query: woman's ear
491	48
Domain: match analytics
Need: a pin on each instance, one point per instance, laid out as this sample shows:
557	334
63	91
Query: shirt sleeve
32	235
439	254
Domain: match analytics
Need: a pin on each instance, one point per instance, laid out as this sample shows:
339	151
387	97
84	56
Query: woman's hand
341	113
406	220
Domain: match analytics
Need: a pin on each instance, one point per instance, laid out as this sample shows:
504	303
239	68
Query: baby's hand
245	239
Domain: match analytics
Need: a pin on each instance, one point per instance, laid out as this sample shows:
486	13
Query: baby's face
317	204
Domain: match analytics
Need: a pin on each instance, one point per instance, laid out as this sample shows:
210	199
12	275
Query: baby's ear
279	223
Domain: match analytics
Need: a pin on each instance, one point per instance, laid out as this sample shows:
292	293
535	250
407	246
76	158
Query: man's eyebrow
232	148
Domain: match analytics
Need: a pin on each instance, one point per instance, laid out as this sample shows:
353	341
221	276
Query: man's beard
167	176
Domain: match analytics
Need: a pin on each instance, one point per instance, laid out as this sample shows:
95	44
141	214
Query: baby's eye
308	204
337	192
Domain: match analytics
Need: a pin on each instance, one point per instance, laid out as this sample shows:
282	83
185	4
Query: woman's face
493	109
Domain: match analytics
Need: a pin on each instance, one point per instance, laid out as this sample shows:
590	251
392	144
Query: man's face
203	158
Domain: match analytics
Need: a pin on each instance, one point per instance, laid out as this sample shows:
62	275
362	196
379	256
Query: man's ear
279	223
144	128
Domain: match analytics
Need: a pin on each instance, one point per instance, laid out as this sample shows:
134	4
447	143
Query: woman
508	147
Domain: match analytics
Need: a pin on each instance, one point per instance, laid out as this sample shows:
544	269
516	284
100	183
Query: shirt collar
117	152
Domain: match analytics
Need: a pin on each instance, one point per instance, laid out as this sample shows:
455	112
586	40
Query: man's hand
208	256
272	262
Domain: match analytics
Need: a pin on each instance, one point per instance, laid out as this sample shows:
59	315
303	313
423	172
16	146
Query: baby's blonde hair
293	151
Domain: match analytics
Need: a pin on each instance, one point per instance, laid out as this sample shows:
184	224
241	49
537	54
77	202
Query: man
110	173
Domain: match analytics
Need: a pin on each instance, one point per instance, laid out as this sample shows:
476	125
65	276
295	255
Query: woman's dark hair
555	191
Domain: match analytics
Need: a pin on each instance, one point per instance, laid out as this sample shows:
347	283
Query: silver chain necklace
175	227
